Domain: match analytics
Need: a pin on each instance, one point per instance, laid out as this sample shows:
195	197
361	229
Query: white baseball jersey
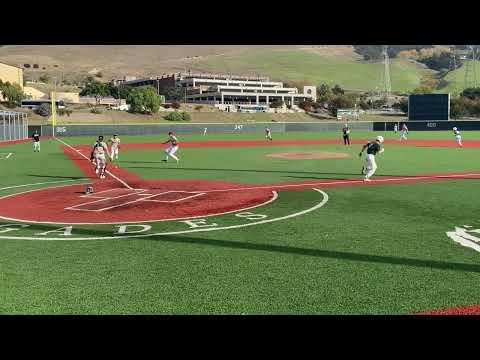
115	143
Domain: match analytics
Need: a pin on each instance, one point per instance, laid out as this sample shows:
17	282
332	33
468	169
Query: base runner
172	149
98	157
115	146
36	141
373	148
458	137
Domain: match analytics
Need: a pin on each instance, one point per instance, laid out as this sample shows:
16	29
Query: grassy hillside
314	63
456	80
349	72
113	61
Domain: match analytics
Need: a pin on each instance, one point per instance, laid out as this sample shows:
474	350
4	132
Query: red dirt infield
114	204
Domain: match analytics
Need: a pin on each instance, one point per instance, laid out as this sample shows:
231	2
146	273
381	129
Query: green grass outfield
379	249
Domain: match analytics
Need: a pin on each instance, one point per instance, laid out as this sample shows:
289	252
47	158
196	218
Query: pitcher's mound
306	155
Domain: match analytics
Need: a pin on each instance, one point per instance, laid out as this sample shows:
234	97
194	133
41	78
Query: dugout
429	107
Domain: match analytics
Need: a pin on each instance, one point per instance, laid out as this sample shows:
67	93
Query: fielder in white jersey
395	128
373	148
172	149
404	132
115	141
99	157
268	134
458	137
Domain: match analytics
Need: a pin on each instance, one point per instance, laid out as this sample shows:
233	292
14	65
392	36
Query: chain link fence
13	125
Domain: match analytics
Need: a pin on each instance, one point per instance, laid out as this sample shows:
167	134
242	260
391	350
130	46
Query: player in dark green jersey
373	148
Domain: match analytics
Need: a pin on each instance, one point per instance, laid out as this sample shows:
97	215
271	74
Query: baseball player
268	134
346	135
395	128
404	132
36	141
115	146
98	157
373	148
204	131
172	149
458	137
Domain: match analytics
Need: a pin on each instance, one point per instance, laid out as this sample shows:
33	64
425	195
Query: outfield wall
277	127
429	125
149	129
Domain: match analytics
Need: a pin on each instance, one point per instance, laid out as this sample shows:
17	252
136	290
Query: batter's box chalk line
4	156
119	197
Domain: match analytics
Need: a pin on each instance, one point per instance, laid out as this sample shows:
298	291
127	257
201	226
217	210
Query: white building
230	91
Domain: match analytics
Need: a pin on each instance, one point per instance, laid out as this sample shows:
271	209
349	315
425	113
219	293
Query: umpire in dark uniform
346	135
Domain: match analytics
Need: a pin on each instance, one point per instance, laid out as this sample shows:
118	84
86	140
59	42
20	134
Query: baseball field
242	225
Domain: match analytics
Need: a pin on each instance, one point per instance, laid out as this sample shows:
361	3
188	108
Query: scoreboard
428	107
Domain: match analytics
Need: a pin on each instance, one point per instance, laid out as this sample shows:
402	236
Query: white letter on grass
197	223
122	229
7	229
64	231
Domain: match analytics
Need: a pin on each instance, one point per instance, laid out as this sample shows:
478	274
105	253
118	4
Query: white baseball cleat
366	179
96	171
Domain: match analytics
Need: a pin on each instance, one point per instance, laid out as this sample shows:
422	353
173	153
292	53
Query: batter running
100	149
373	148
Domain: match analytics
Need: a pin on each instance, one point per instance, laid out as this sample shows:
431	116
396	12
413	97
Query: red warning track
244	143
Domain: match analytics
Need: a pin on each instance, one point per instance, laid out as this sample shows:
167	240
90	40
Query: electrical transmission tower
387	87
453	59
470	68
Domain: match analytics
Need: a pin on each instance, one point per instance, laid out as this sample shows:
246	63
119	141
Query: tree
422	90
306	105
402	105
458	108
276	103
176	105
44	78
96	89
44	110
12	93
471	93
324	90
174	116
337	90
143	100
173	93
340	102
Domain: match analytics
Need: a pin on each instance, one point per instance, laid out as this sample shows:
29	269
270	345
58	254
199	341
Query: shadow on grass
329	254
253	170
60	177
281	249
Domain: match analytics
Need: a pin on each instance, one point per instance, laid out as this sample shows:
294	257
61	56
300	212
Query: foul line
411	179
86	158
